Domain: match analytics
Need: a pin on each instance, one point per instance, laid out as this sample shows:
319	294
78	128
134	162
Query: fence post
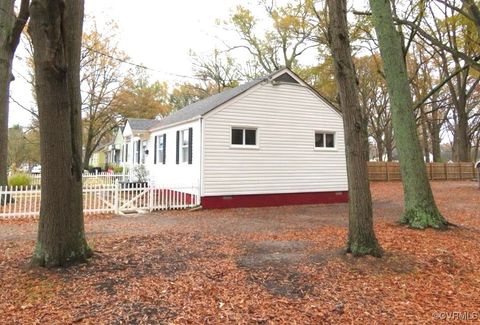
445	170
150	196
386	168
116	201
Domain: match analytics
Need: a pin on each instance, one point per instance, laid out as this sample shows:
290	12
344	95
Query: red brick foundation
265	200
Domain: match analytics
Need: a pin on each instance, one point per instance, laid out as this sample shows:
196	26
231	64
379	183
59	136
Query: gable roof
140	124
204	106
208	104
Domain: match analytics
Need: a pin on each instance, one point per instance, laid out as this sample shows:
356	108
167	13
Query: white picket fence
89	179
118	198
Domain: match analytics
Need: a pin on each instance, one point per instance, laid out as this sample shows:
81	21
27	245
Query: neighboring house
98	158
108	154
135	140
271	141
114	149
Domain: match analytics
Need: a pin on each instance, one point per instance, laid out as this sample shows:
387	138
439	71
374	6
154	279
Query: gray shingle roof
204	106
140	124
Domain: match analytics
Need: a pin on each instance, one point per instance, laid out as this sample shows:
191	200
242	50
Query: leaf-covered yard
269	265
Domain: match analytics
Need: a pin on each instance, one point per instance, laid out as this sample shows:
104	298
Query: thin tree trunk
426	147
380	149
5	78
56	29
436	149
389	143
434	128
463	143
420	208
361	236
10	29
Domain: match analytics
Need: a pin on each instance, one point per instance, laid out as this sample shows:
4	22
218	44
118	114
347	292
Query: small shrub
118	169
141	173
19	180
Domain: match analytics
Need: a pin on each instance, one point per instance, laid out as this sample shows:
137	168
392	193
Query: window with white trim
184	144
160	155
244	136
324	140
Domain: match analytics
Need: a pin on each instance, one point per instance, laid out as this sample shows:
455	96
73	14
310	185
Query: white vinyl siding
181	175
286	118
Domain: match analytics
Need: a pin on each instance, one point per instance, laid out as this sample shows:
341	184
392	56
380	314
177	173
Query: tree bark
389	143
361	236
434	127
11	28
420	208
56	30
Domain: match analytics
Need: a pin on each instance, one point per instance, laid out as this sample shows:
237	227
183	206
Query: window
144	151
184	146
136	153
160	149
324	140
244	136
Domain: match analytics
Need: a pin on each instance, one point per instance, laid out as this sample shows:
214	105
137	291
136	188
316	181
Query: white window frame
243	145
160	149
136	157
184	158
325	148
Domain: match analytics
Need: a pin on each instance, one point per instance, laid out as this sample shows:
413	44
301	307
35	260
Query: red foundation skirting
265	200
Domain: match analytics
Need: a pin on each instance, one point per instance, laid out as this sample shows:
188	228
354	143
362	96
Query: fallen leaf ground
269	265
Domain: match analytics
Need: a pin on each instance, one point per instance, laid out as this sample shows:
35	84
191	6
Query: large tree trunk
56	29
361	236
10	30
420	208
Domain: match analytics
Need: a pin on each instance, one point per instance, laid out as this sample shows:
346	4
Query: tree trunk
10	29
389	143
56	29
463	143
423	123
5	78
361	236
420	208
436	149
380	150
434	127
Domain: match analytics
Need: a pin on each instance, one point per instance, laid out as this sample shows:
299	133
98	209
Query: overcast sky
157	34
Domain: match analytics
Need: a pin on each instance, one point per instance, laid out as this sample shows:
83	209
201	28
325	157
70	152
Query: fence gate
134	199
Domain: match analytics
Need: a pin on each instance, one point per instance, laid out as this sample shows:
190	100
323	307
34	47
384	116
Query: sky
156	34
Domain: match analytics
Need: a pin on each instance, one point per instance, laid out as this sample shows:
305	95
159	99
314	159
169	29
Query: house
271	141
108	154
136	136
114	149
98	158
